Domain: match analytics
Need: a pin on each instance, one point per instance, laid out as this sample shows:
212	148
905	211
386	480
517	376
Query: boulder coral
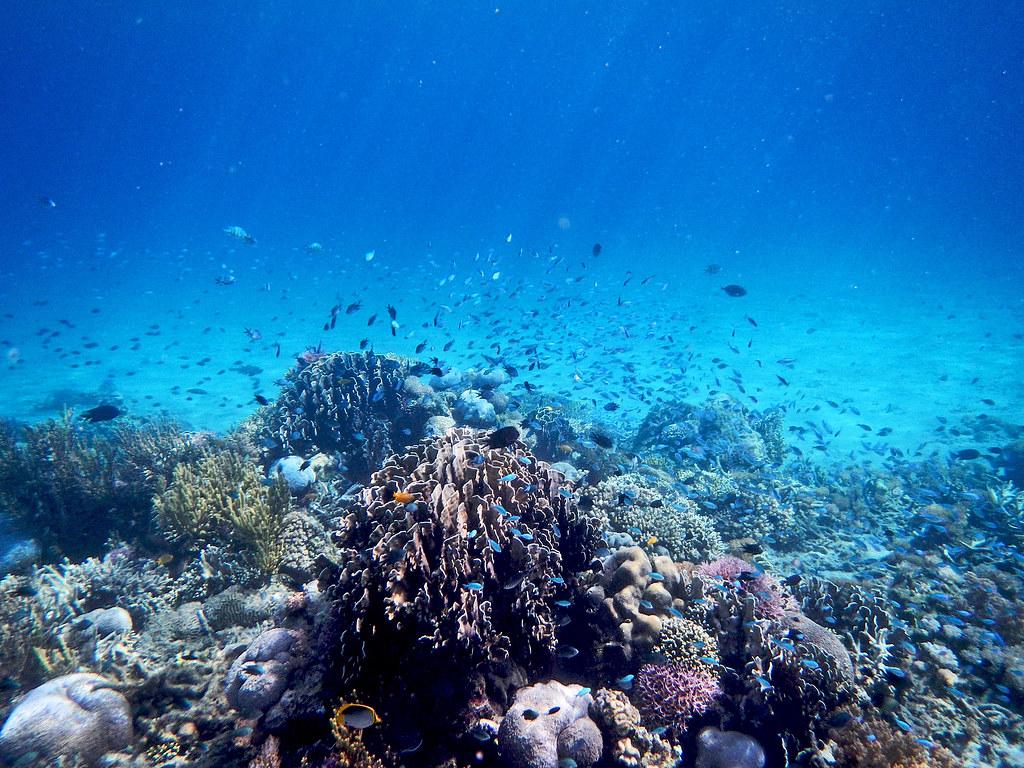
75	716
547	725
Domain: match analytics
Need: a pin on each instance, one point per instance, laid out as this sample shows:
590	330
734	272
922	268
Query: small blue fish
557	580
582	692
903	725
562	603
785	645
507	478
764	683
810	663
647	605
471	534
675	612
567	652
494	545
625	682
709	660
499	509
524	461
660	730
377	396
474	586
564	493
655	576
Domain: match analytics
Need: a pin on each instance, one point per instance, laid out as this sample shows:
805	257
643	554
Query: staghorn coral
670	694
121	578
659	517
632	745
222	500
74	487
464	566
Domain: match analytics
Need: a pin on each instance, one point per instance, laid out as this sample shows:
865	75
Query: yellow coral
221	497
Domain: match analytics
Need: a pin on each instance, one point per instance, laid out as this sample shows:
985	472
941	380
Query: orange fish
403	497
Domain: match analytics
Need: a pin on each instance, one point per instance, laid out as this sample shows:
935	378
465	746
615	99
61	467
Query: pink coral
771	601
670	694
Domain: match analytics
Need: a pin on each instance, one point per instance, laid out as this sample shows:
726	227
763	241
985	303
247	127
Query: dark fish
712	269
967	454
262	400
420	347
602	439
613	406
596	250
734	290
392	312
305	465
101	413
502	438
353	307
372	320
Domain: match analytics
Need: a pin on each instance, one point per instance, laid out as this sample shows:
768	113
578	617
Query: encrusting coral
223	499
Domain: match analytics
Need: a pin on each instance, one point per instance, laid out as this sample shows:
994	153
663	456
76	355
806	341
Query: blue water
858	170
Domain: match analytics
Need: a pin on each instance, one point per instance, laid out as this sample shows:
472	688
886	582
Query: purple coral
670	694
771	601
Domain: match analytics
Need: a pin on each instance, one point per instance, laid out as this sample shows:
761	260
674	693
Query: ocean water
559	190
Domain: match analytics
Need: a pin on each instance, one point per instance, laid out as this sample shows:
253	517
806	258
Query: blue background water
833	159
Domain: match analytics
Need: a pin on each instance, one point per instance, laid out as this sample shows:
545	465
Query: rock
73	715
546	723
290	469
727	749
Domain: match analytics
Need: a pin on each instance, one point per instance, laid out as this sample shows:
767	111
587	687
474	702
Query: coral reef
721	431
727	749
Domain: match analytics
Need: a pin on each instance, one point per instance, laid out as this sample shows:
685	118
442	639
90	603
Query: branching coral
223	500
74	487
670	694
